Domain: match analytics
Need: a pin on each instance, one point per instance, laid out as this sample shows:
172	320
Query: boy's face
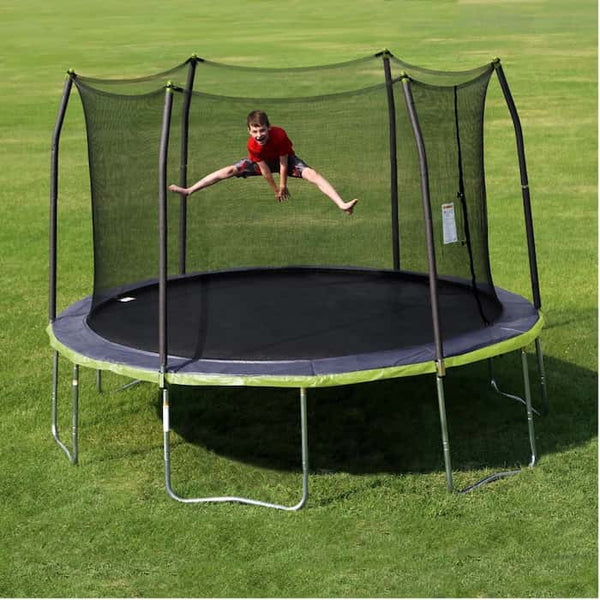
260	133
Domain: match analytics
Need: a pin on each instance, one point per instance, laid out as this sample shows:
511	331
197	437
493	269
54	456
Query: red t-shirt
277	145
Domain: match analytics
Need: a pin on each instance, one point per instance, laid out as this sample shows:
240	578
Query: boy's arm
266	173
284	193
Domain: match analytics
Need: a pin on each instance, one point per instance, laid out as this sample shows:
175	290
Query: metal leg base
240	500
73	453
489	479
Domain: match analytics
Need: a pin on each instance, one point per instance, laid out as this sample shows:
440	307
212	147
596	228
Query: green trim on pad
296	381
101	365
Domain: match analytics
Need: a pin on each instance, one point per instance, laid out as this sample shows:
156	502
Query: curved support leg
167	461
527	401
495	387
72	454
530	411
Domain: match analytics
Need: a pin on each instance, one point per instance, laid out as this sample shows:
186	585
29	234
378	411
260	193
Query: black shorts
247	168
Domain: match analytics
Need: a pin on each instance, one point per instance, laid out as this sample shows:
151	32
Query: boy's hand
283	194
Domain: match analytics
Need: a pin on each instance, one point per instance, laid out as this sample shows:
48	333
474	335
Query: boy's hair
258	117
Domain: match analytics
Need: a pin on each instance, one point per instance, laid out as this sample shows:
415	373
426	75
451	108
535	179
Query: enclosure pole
535	285
185	126
54	194
435	313
162	223
393	160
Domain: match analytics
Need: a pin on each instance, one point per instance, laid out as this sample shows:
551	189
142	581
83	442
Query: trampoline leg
72	454
99	381
444	426
527	387
542	375
530	411
167	461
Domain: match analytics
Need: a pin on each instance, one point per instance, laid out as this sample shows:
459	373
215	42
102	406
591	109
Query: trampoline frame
73	453
440	366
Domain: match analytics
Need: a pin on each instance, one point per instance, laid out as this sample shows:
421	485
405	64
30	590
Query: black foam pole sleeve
433	291
393	163
533	269
162	224
53	229
183	164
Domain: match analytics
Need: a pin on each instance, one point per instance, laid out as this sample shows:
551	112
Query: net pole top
385	53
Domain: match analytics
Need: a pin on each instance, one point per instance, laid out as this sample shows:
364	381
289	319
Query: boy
269	149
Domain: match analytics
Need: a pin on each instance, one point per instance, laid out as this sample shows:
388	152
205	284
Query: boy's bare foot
178	189
349	206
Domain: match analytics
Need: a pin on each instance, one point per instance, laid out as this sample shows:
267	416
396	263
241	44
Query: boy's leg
208	180
326	188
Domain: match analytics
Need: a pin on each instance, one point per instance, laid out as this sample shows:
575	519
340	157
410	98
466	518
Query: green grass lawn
379	521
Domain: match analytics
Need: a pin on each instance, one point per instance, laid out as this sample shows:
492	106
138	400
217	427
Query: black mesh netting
338	118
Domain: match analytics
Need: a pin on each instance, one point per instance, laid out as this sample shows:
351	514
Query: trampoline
420	300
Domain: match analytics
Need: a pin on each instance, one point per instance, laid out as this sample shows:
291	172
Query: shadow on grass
392	426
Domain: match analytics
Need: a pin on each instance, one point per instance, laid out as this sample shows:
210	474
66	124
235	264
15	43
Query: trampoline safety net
347	121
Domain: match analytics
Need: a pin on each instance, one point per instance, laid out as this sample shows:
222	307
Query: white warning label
449	223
